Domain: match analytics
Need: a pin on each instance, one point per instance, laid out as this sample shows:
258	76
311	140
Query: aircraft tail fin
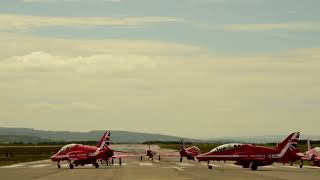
308	144
182	146
291	142
104	140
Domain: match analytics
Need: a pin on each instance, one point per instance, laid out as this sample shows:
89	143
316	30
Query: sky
193	68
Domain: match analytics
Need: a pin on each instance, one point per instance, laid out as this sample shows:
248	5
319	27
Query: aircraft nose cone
53	158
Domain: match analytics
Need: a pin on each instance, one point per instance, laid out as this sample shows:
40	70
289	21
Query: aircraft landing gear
59	166
159	158
141	158
112	161
254	166
301	164
96	165
71	166
120	163
209	165
180	158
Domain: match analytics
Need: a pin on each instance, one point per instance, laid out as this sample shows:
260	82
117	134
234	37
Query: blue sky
224	64
200	20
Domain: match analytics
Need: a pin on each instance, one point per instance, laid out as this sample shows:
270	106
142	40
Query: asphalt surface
166	169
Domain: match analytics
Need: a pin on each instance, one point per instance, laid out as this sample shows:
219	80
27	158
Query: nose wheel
96	165
209	165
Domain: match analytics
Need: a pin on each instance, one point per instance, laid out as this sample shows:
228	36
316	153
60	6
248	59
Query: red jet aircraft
312	154
149	153
252	156
190	153
78	154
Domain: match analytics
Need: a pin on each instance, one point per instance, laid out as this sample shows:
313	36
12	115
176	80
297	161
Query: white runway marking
177	168
184	164
39	166
145	164
268	167
13	166
123	164
294	167
311	167
232	165
213	165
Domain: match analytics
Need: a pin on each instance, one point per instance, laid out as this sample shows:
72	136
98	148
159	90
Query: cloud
46	106
107	64
13	21
22	45
289	26
55	1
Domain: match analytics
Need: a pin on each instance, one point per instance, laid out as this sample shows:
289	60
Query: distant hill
27	135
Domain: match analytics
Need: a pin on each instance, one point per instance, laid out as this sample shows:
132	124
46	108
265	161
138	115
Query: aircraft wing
121	154
173	154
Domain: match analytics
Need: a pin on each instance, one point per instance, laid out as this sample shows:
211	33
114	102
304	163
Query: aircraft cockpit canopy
225	147
66	147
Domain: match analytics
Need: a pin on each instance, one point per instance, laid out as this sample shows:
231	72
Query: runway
166	169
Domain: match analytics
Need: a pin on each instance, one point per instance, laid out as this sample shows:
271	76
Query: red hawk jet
312	154
252	156
78	154
190	153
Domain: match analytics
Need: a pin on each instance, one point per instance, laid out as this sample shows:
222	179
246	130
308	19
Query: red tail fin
290	142
104	139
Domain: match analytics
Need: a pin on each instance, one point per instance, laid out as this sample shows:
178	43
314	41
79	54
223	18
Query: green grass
26	153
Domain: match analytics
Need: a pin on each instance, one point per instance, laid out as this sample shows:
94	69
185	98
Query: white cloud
14	21
106	64
46	82
289	26
80	106
21	45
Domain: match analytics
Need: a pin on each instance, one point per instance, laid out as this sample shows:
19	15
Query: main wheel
210	166
71	166
181	159
141	158
59	166
96	165
159	158
254	166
